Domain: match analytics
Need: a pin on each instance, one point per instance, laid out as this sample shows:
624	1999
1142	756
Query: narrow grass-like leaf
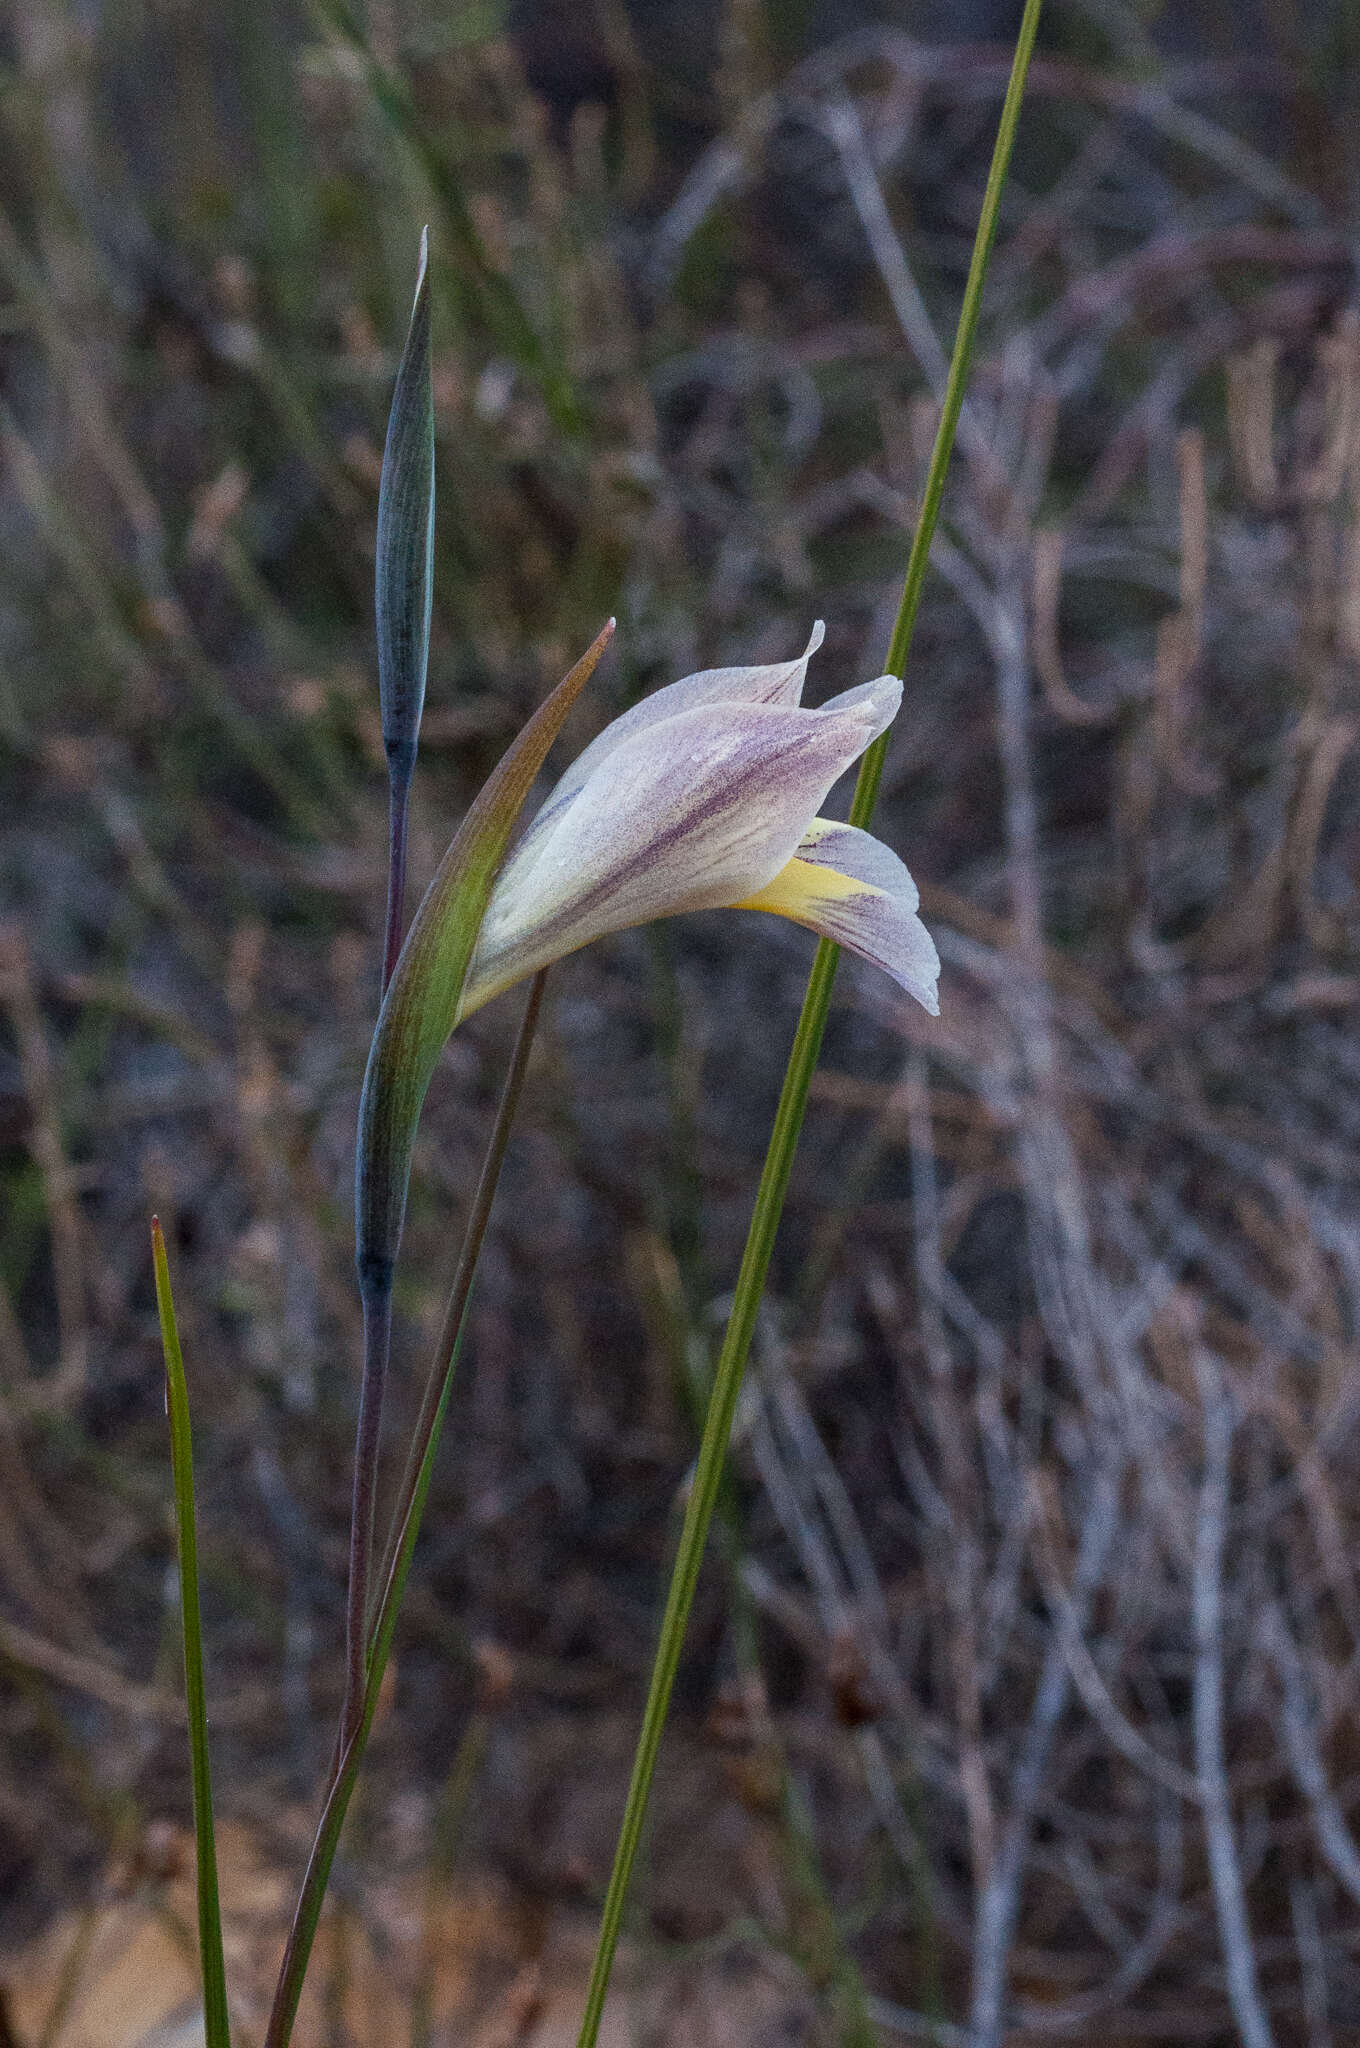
774	1179
216	2027
405	580
421	1005
406	1528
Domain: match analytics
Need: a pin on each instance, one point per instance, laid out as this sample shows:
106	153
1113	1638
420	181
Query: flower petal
847	886
692	814
777	682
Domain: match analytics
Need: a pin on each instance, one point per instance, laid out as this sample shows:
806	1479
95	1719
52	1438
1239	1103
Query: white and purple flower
705	796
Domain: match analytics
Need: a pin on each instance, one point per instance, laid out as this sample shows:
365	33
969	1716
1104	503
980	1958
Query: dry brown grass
1026	1685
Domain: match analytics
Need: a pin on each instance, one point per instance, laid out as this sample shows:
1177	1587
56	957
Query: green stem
377	1307
774	1179
406	1528
436	1386
216	2026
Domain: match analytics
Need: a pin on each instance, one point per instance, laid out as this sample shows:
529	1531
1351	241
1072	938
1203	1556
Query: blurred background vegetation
1021	1695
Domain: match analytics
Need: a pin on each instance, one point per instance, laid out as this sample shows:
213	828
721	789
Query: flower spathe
706	796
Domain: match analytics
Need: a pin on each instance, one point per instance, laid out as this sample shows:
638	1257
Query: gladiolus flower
705	796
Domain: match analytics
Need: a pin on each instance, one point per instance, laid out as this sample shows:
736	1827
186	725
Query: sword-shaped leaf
405	578
406	539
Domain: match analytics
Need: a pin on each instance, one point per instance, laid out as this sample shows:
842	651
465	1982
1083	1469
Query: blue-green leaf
406	539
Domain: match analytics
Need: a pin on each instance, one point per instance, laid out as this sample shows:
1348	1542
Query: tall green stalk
774	1179
216	2027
